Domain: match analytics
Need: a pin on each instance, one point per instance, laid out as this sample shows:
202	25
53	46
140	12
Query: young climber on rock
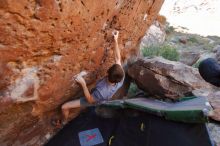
104	89
209	69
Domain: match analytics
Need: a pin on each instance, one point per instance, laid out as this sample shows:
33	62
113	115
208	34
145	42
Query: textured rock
43	43
217	51
189	57
206	55
155	35
213	95
164	78
214	130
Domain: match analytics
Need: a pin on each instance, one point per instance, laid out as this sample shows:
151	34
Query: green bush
196	65
208	47
168	28
193	39
132	90
166	51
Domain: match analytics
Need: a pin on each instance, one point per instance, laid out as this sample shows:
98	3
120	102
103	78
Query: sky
199	16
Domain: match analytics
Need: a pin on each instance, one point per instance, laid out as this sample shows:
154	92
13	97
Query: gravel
214	130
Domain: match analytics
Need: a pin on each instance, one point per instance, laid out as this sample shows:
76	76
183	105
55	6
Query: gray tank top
104	90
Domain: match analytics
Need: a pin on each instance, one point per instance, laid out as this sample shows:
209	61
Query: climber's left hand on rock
80	80
115	33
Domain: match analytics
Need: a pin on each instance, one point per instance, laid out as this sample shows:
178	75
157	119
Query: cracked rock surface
166	79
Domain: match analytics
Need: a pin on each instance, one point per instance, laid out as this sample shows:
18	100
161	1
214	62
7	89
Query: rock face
217	52
43	43
164	78
189	57
213	95
155	35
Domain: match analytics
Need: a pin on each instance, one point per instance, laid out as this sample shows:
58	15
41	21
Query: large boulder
163	78
43	43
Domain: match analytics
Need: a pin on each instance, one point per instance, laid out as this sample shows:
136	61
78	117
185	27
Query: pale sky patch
199	16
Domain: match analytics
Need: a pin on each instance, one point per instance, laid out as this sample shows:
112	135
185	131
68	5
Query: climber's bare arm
87	94
117	50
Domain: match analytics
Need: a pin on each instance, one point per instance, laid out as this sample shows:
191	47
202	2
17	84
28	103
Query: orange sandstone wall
43	43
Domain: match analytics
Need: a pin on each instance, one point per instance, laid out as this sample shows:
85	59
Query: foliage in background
196	65
169	29
133	89
193	39
200	42
166	51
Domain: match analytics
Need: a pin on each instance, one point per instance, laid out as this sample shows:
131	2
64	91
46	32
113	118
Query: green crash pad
193	110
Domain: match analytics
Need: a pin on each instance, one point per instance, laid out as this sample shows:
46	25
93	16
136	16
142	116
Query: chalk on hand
82	73
115	32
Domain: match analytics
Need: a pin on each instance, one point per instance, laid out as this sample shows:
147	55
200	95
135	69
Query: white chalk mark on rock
128	44
145	17
22	84
56	58
48	136
142	72
118	4
104	26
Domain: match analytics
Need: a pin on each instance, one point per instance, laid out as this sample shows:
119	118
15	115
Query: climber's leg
69	105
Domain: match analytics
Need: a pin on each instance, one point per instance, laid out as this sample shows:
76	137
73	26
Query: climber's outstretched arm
87	94
117	50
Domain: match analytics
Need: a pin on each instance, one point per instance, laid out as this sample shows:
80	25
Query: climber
209	69
104	89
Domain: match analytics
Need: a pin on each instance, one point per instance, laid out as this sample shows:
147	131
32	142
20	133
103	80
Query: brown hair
115	73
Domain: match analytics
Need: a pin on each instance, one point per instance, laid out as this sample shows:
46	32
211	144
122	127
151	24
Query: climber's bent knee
71	104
